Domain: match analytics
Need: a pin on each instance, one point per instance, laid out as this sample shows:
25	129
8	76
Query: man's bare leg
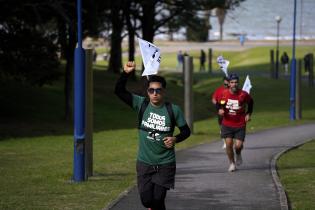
229	149
230	153
238	151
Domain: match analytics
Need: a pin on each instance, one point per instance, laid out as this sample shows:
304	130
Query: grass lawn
297	170
36	144
255	60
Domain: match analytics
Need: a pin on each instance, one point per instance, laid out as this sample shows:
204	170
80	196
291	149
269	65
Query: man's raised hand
129	67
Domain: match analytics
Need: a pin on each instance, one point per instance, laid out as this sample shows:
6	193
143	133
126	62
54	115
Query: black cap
233	76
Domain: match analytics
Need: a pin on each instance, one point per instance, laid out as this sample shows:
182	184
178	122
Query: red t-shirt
218	92
234	107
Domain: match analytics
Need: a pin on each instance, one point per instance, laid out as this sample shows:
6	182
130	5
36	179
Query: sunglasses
155	90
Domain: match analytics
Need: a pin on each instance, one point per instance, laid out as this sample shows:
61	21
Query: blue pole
79	105
293	71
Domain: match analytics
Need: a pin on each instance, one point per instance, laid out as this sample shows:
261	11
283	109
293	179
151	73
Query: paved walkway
203	183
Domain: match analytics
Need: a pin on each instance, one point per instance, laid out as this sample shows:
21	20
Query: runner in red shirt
215	97
236	106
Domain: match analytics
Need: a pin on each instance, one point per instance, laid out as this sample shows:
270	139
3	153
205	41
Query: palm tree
221	13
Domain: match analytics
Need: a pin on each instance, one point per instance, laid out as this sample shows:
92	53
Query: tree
54	19
131	23
33	61
191	19
222	10
117	23
64	17
197	29
194	16
153	16
27	51
173	26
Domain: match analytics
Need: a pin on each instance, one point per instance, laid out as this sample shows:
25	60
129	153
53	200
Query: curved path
203	183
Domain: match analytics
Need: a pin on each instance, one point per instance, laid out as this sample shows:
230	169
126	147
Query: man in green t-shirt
156	165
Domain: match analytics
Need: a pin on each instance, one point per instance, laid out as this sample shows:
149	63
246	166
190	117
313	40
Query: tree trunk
131	51
221	12
207	17
92	21
148	20
67	53
170	36
68	73
115	60
131	36
62	38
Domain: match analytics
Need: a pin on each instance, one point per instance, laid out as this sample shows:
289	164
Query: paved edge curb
275	176
120	196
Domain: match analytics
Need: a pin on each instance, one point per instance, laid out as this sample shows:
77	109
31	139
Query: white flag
247	85
223	64
151	57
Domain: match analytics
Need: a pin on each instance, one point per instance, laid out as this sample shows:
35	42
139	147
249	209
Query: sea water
256	19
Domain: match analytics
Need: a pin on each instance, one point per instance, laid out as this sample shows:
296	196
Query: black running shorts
163	175
234	133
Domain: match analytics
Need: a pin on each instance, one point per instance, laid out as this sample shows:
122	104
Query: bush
27	55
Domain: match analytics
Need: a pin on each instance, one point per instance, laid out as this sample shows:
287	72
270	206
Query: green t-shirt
151	146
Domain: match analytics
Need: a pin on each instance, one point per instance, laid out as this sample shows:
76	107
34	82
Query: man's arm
250	106
184	133
220	108
120	88
214	97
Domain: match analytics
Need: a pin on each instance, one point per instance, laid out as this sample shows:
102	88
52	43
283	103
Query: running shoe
232	167
239	159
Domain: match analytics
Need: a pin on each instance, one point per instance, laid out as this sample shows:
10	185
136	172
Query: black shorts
234	133
163	175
